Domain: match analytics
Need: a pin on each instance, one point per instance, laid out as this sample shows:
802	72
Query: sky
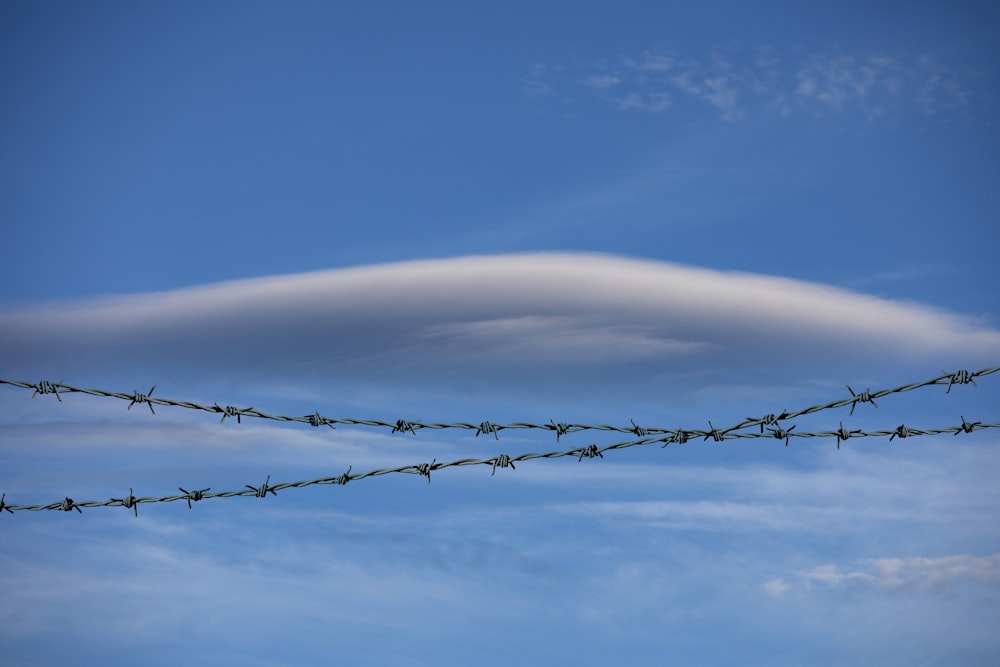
671	215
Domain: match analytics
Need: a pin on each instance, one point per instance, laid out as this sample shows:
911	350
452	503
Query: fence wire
560	429
591	451
646	436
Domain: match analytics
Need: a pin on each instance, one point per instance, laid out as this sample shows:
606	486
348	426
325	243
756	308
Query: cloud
936	574
834	82
537	83
719	91
716	83
295	582
368	559
766	58
651	102
847	493
556	339
939	89
651	61
602	81
202	447
735	80
489	320
776	588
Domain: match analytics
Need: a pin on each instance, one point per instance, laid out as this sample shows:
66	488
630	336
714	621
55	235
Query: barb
319	420
967	427
560	429
863	397
138	398
195	496
402	426
768	420
714	433
960	377
67	504
487	427
844	434
500	461
231	411
316	419
681	437
424	469
263	489
343	479
901	432
780	433
45	387
128	503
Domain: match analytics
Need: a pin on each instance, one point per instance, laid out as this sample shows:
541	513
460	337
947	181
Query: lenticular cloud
495	315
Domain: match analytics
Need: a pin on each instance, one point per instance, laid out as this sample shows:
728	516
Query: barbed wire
44	387
591	451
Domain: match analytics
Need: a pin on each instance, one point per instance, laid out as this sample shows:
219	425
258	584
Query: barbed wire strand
489	428
591	451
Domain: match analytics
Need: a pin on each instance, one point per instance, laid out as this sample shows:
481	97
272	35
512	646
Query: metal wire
489	428
591	451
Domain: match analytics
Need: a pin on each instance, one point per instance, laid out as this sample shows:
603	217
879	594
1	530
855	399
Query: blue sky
580	212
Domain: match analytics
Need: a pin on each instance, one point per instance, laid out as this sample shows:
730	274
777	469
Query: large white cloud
488	320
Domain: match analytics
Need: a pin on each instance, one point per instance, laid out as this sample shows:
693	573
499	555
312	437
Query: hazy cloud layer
364	563
848	492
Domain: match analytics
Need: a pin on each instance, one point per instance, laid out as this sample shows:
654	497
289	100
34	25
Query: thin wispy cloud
735	81
849	494
939	575
650	61
776	587
719	91
651	102
940	90
537	83
870	84
602	81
